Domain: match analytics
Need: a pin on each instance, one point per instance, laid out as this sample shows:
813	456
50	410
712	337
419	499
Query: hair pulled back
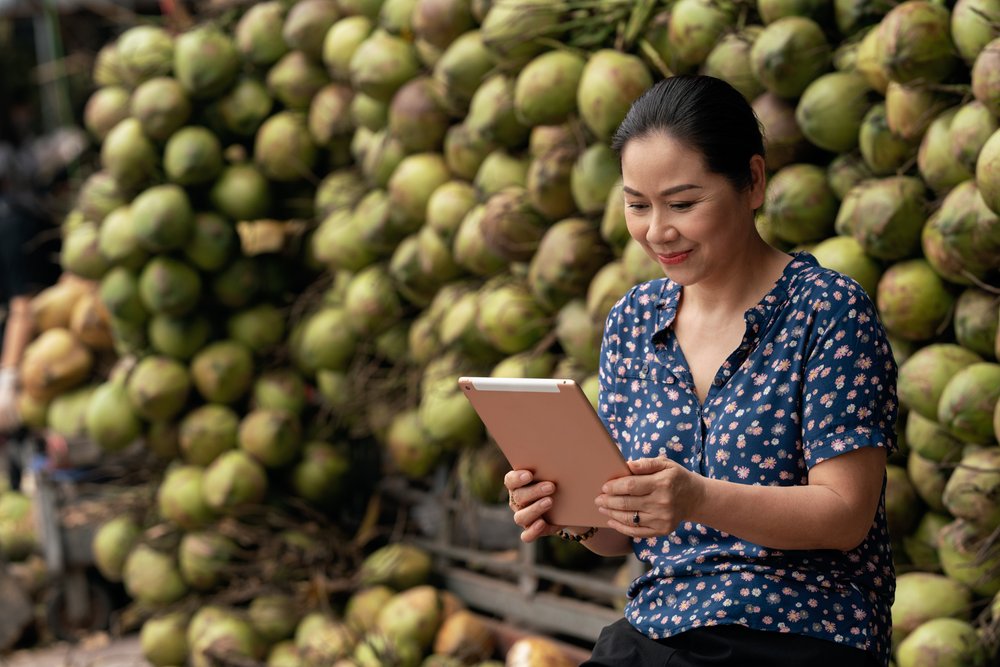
704	112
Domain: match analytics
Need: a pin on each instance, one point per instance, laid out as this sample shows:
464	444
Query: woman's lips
674	257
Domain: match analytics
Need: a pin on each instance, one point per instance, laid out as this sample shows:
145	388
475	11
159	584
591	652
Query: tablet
549	427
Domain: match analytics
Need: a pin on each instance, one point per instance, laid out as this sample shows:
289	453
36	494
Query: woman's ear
758	181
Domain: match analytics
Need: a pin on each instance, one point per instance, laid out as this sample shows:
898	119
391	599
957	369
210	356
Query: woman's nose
660	231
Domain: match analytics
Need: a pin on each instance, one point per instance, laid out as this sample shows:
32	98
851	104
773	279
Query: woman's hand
530	501
660	493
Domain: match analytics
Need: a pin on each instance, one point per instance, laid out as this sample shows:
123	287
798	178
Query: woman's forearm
608	542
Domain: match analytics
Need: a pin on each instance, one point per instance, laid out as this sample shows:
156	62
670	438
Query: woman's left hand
660	493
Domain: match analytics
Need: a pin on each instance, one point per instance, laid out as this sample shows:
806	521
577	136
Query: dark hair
704	112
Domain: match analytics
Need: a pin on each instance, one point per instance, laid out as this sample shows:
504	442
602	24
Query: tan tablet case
549	427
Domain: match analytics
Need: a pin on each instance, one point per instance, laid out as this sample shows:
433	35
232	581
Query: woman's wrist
577	533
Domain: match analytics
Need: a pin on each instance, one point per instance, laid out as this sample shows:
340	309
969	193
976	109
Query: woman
753	393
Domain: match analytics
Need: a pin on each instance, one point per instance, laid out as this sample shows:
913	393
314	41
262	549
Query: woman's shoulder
642	297
821	290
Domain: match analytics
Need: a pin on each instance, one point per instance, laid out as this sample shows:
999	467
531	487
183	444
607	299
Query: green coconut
924	596
610	82
382	156
111	422
512	29
461	68
163	641
929	439
568	256
465	151
961	239
168	286
549	182
846	255
162	106
440	22
162	218
274	617
986	76
229	634
119	292
446	414
967	402
884	152
372	303
917	44
421	265
144	52
911	110
212	243
223	371
117	240
730	60
128	156
107	69
323	341
273	437
481	469
295	80
923	377
206	61
204	558
694	28
510	318
307	23
260	327
280	389
411	186
99	195
789	54
322	640
936	160
969	557
80	253
988	174
105	108
976	315
283	148
410	448
973	490
382	64
364	605
973	26
339	190
413	615
179	498
206	432
831	110
284	654
783	139
234	480
471	251
340	43
594	176
913	301
944	642
369	113
525	365
112	543
242	192
152	577
492	113
800	203
512	228
158	388
193	155
971	127
67	413
922	546
886	216
258	33
546	89
902	507
322	474
448	206
606	289
416	116
500	170
178	337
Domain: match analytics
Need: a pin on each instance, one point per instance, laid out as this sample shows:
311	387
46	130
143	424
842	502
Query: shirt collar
757	316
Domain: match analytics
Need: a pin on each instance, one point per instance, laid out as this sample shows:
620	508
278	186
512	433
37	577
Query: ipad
549	427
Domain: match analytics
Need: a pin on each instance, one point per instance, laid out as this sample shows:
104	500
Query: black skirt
621	645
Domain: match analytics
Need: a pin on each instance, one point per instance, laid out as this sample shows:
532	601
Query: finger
529	514
536	530
532	493
620	503
515	479
633	485
648	466
631	530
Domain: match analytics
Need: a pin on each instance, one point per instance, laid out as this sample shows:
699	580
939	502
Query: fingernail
524	476
602	510
604	489
547	487
545	502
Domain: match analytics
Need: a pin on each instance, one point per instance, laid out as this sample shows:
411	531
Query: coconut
789	54
923	596
922	546
128	156
321	639
510	318
416	117
107	66
144	52
512	228
448	206
258	33
162	639
927	438
461	68
447	415
568	256
524	365
973	489
923	377
168	286
421	265
913	300
986	76
90	323
192	155
694	28
883	152
111	423
324	341
481	469
67	413
111	545
162	106
783	140
911	110
381	64
80	253
232	481
53	306
546	89
369	113
363	607
457	328
901	505
33	412
886	216
178	337
917	44
152	577
800	203
594	176
162	218
322	474
99	195
223	371
547	138
537	651
372	303
969	558
180	501
511	28
464	635
212	243
638	265
382	156
846	255
117	240
230	635
284	654
987	179
411	186
868	60
106	108
971	127
274	617
53	363
119	292
943	641
606	289
283	148
207	432
614	229
206	61
162	440
339	190
411	450
340	43
273	437
242	192
340	242
973	27
396	17
295	80
158	388
549	183
204	619
610	82
471	250
307	24
17	527
961	239
204	558
280	389
465	151
967	402
441	22
260	328
831	110
976	315
730	61
492	113
500	170
938	165
413	615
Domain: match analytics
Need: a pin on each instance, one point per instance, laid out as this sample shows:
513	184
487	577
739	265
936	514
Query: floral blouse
814	377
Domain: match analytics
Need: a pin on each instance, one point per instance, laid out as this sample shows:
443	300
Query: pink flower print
864	362
755	458
721	456
742	472
769	463
783	365
794	616
859	379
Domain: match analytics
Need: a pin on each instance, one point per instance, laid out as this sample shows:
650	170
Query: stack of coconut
448	161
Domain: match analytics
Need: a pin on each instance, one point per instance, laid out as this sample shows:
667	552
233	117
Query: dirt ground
97	652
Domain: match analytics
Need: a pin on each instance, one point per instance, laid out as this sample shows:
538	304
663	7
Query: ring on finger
635	519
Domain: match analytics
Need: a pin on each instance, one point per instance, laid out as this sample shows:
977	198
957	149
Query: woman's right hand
530	500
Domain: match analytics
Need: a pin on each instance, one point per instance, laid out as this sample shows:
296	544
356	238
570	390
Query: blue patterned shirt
814	377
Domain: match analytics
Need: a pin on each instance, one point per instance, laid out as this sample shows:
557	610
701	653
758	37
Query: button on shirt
813	378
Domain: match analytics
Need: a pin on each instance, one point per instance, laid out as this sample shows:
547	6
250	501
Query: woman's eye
635	207
681	205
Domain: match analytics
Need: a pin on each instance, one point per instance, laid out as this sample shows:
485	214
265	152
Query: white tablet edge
538	385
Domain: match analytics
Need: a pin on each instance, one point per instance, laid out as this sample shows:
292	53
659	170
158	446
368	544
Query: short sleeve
849	385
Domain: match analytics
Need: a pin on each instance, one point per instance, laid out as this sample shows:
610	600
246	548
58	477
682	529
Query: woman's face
689	220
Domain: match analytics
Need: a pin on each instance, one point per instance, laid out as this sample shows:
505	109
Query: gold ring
635	518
